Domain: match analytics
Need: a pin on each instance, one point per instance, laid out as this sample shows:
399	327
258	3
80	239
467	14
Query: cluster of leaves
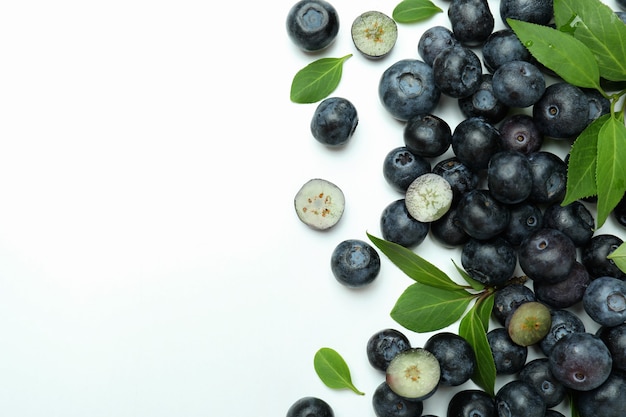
434	301
321	77
587	48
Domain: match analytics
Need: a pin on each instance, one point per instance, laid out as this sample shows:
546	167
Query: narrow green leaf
333	370
565	55
581	167
414	266
611	167
484	308
619	256
422	308
596	25
317	80
478	286
410	11
473	330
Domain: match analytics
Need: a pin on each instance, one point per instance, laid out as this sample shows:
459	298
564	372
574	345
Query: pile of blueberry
505	211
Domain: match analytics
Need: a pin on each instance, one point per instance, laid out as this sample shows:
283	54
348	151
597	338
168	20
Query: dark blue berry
434	40
537	373
384	345
619	212
474	142
558	112
533	11
310	407
547	255
503	46
525	218
573	219
565	293
518	84
334	121
457	71
594	256
482	216
509	177
312	24
448	230
605	301
407	88
427	135
387	403
508	356
355	263
563	322
580	361
398	226
491	262
455	355
484	103
507	299
519	132
401	167
606	401
599	105
471	403
615	340
518	398
461	178
471	21
549	177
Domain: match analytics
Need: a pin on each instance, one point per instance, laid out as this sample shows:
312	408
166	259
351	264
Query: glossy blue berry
310	407
398	226
355	263
312	25
605	301
334	121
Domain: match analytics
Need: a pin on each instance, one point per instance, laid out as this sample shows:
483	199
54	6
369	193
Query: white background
151	262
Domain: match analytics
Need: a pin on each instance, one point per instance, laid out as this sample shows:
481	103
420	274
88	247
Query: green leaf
596	25
410	11
565	55
414	266
478	286
611	167
484	308
581	167
473	330
619	257
422	308
333	370
317	80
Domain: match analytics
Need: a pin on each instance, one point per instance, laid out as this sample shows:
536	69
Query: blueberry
509	177
387	403
310	407
471	21
573	219
491	262
482	216
507	299
615	340
312	24
448	230
334	121
533	11
565	293
401	167
547	255
483	102
503	46
537	373
457	71
427	135
398	226
549	177
524	219
563	322
518	84
474	141
558	111
519	132
607	400
518	398
461	178
605	301
429	197
319	204
508	356
384	345
580	361
529	323
471	403
434	40
599	105
594	256
414	374
407	88
374	34
455	355
355	263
